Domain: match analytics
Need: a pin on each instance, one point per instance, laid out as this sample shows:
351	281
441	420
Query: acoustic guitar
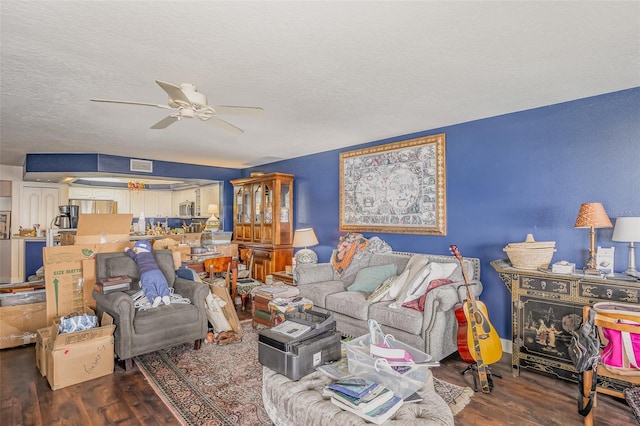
475	331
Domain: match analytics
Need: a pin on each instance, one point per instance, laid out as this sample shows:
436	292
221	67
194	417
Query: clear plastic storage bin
362	364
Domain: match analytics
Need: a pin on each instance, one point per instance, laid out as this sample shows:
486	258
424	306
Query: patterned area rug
222	385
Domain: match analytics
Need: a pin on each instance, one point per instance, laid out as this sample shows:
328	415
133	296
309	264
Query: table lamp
213	223
305	238
592	216
627	230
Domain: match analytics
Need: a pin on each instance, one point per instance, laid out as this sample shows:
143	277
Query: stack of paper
369	400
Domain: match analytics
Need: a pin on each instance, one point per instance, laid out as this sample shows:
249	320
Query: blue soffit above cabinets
80	168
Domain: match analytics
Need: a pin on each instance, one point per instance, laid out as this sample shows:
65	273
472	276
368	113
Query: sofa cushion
368	279
385	259
456	276
359	261
397	286
381	291
418	270
123	265
146	321
319	291
405	319
434	271
418	304
350	303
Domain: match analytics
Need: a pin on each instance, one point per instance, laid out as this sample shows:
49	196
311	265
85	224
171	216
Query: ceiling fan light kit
187	102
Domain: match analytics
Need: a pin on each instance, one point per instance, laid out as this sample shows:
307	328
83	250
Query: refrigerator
95	206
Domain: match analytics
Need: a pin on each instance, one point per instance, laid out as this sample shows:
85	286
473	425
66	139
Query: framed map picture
395	188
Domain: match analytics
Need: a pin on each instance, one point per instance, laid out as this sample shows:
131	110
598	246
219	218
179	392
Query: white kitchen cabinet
137	203
80	193
38	205
123	198
86	193
164	203
157	203
153	203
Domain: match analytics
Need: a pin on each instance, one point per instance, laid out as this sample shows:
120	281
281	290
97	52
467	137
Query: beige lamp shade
213	209
592	215
627	229
305	237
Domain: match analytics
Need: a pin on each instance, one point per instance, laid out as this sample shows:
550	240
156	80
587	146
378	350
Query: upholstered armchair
142	331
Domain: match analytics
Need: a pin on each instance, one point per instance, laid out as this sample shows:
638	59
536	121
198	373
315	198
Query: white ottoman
294	403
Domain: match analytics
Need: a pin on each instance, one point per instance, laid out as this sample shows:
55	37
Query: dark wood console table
546	307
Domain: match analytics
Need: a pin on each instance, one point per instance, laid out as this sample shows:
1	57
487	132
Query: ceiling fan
187	102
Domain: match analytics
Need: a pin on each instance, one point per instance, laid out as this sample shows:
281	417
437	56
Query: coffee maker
74	212
68	217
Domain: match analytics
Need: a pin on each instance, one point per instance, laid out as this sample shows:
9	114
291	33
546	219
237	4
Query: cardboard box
19	324
65	286
227	249
67	238
229	308
78	357
103	228
42	340
223	249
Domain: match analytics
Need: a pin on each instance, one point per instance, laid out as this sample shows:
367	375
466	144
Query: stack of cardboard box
70	358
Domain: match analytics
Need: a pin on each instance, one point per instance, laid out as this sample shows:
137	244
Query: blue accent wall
507	176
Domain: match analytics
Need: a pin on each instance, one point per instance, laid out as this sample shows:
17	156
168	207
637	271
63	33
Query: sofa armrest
307	274
476	288
118	304
447	296
195	291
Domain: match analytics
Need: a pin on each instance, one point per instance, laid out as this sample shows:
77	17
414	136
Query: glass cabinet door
268	203
238	208
257	196
246	205
285	207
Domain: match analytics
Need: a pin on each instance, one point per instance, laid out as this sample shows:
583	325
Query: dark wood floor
125	398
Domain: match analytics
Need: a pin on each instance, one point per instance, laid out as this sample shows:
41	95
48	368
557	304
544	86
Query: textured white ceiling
328	74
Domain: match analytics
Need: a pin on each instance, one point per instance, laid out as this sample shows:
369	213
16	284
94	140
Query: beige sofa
433	331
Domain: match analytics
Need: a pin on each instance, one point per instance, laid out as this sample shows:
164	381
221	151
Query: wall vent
144	166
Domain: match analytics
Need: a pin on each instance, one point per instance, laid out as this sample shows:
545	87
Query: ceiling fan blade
174	92
131	103
238	110
226	126
165	122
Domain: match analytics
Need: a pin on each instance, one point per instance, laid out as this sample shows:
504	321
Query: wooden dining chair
223	271
246	282
607	322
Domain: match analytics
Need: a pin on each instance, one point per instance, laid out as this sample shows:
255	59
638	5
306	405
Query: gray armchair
140	332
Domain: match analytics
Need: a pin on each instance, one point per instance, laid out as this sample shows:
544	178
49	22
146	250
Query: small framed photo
604	260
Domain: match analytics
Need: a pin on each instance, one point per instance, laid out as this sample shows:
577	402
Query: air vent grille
144	166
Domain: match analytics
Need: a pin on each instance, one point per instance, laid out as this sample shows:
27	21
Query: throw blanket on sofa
349	245
353	246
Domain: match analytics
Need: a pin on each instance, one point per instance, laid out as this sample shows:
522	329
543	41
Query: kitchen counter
28	238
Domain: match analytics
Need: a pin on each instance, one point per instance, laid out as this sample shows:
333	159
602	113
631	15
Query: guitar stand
474	369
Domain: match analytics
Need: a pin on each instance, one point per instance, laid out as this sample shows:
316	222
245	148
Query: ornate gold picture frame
395	188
